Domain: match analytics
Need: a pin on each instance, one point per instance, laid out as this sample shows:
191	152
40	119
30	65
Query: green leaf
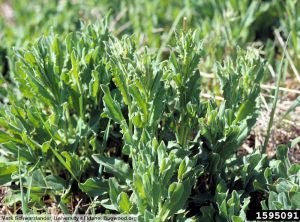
120	82
113	109
95	85
138	98
124	203
114	190
46	146
173	203
293	106
56	183
294	142
246	109
294	169
6	170
282	153
116	166
237	219
138	185
295	200
4	137
94	187
68	163
36	182
158	106
182	169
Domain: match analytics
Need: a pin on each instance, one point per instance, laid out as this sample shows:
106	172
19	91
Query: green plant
55	125
125	127
68	96
170	110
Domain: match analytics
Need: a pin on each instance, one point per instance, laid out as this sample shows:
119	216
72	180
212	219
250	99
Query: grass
274	104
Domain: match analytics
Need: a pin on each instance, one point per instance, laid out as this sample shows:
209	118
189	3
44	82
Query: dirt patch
3	193
283	131
7	13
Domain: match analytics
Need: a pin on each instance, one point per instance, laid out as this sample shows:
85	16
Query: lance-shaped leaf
121	83
94	85
112	108
138	98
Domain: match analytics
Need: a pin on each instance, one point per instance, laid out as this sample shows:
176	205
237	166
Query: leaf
294	169
68	163
281	153
148	216
113	109
124	203
246	109
234	202
237	219
137	120
214	162
116	166
4	137
158	106
56	183
94	187
182	169
36	182
106	203
24	153
294	142
114	190
272	198
95	85
46	146
295	199
120	82
138	185
173	203
138	98
292	107
6	170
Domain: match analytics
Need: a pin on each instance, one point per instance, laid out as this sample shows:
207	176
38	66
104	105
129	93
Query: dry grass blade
286	53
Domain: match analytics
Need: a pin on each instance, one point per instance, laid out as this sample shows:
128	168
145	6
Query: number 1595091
287	215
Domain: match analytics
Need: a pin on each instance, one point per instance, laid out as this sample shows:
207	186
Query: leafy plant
121	122
172	109
71	87
54	127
